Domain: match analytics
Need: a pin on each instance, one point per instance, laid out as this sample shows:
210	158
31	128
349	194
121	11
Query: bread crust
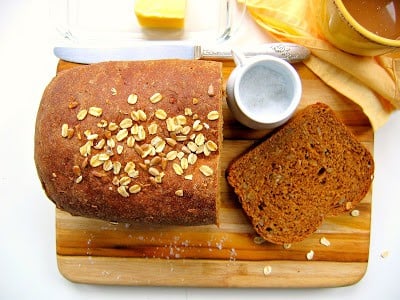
74	185
310	168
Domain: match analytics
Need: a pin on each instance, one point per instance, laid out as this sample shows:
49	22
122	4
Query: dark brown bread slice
313	166
93	164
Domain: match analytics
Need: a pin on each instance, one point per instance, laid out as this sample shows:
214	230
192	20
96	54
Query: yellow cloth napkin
371	82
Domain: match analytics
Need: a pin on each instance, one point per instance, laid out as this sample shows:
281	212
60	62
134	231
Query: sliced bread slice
311	167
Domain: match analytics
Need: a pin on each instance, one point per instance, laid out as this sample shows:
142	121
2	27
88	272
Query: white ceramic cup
263	92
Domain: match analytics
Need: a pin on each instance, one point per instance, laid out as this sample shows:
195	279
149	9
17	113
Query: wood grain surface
98	252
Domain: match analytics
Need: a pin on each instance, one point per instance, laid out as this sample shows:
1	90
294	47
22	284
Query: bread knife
168	50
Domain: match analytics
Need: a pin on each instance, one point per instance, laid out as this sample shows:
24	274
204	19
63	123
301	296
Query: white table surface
27	232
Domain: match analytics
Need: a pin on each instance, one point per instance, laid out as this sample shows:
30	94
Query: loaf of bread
134	142
310	168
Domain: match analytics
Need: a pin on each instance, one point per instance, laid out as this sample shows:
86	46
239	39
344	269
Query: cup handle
238	58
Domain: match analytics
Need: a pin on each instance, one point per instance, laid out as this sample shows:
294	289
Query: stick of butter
169	14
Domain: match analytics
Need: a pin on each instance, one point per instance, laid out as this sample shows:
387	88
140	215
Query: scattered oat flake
385	254
179	193
64	130
81	114
134	189
310	255
122	191
258	240
189	177
79	179
95	111
213	115
132	99
287	245
206	170
73	104
156	97
324	241
267	270
160	114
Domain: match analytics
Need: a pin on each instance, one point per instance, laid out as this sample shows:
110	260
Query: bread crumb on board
324	241
310	255
267	270
287	245
258	240
385	254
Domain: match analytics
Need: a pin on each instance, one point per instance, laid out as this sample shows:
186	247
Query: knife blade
167	50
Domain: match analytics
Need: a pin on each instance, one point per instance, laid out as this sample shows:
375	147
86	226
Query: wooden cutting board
98	252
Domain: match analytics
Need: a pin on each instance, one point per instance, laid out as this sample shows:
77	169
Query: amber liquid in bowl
381	17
